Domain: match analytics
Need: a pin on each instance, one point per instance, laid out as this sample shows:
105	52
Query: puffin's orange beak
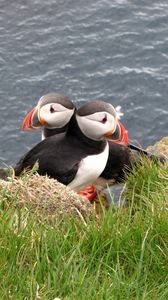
109	133
120	135
31	121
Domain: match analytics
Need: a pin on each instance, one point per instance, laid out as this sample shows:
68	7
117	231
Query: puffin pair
75	149
54	111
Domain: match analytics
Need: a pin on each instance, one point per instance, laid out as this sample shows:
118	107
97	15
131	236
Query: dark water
112	50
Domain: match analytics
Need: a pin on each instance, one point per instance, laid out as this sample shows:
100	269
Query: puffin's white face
53	110
54	115
97	125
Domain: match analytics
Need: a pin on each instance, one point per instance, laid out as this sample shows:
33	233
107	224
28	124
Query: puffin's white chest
90	168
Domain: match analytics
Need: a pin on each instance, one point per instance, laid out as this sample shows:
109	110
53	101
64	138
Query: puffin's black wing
119	161
55	158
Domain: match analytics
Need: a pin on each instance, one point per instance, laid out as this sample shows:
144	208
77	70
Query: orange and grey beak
109	133
120	135
31	121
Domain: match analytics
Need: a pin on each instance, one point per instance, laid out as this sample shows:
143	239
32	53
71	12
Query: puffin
78	156
52	112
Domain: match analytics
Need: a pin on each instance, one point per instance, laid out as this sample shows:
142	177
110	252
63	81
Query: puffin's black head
97	119
96	106
53	110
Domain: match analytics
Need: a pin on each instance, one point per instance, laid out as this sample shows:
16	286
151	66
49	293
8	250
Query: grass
121	255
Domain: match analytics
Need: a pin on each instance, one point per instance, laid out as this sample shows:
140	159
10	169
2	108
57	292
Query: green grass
122	255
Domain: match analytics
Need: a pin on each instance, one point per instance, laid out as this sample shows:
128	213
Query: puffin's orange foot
89	192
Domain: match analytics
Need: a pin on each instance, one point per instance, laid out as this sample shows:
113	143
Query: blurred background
116	51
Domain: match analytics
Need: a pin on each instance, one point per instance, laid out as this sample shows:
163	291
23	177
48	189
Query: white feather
57	119
119	112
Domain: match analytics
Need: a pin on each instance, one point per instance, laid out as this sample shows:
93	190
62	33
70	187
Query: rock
160	147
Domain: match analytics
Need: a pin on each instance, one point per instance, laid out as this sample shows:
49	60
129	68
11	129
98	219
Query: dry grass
44	195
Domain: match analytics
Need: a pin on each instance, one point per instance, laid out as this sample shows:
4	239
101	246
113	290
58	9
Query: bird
52	112
77	157
32	121
119	161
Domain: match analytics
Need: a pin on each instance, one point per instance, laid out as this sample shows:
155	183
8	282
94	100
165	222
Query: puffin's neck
75	131
52	131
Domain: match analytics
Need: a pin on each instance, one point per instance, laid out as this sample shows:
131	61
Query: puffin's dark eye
104	120
52	110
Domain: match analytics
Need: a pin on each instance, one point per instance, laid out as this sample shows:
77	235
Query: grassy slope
123	255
